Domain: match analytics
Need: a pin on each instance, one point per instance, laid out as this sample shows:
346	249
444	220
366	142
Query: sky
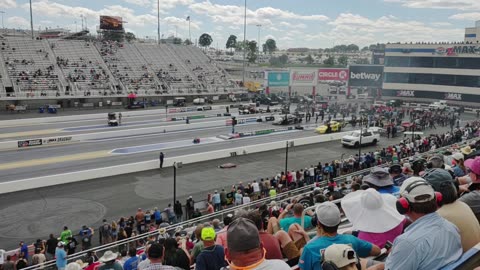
292	23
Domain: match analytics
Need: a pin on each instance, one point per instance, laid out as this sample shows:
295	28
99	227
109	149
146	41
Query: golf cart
112	119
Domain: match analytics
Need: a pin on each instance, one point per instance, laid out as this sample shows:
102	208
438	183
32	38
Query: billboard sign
29	143
111	23
432	95
456	50
278	78
333	74
303	78
365	76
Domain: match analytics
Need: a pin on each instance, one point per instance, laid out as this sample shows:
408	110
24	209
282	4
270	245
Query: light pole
81	17
31	18
176	165
286	157
244	41
2	12
158	21
259	26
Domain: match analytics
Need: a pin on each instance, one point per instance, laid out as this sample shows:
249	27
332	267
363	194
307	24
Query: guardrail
281	197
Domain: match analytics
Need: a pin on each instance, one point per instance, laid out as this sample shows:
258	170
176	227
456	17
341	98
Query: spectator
86	237
21	262
245	249
23	250
50	247
60	256
459	169
175	256
105	233
158	216
198	247
109	259
71	245
270	243
472	198
328	220
210	209
380	179
140	220
222	234
216	201
340	257
296	219
431	242
190	206
66	233
374	216
156	254
132	262
8	264
396	173
177	208
212	256
454	210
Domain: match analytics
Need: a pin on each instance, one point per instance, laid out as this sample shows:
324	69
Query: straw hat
109	256
370	211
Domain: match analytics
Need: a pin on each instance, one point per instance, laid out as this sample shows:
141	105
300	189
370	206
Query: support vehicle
368	137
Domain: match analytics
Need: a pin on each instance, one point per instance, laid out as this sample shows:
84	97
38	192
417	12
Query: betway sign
305	78
366	76
333	74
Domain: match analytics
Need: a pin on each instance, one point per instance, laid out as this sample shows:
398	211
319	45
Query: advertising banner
111	23
56	140
365	76
333	74
278	78
432	95
303	78
29	143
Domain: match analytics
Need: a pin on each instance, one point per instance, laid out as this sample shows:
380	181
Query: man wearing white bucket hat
109	259
374	216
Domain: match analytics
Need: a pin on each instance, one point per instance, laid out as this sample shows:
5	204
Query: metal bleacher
169	68
130	68
83	67
213	78
29	67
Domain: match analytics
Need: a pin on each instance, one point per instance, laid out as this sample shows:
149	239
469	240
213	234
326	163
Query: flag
188	18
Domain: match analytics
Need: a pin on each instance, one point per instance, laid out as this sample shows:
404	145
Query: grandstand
77	68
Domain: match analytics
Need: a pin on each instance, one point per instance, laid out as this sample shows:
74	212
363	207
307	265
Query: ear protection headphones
349	254
403	205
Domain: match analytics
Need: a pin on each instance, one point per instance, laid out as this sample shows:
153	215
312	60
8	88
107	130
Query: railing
281	197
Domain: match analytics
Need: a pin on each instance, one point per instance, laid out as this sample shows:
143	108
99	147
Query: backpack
105	230
72	245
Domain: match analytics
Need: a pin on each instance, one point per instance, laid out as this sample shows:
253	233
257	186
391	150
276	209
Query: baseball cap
208	234
328	214
340	255
473	165
436	177
458	156
417	187
396	168
242	235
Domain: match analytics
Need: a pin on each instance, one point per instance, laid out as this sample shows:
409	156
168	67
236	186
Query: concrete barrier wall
95	116
51	180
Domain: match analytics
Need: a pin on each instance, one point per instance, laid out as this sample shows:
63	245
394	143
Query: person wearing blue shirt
328	220
158	216
132	262
286	222
430	242
24	250
216	201
60	256
381	180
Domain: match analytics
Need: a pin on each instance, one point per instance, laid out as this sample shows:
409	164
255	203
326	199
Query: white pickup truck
368	137
438	105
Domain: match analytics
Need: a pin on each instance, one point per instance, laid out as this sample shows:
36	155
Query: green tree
177	41
239	46
364	49
252	51
231	42
187	42
309	59
343	60
129	36
271	45
353	48
330	61
113	36
205	40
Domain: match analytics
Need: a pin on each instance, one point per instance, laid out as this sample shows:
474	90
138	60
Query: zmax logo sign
405	93
453	96
365	76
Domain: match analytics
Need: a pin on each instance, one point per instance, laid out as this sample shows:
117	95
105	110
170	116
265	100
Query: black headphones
347	253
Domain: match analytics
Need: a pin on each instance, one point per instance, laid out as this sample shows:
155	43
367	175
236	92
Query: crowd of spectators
419	206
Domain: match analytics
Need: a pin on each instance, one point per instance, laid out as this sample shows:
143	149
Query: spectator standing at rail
105	233
60	256
23	250
120	118
51	246
86	237
66	233
216	201
161	158
140	220
190	207
177	208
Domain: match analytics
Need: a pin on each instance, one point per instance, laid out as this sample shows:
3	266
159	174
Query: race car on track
333	126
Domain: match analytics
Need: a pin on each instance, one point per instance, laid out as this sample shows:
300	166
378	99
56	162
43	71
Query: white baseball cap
340	255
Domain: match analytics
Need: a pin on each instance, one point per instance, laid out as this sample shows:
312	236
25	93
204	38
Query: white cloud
233	14
139	2
468	16
290	25
8	4
18	22
440	24
181	23
440	4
